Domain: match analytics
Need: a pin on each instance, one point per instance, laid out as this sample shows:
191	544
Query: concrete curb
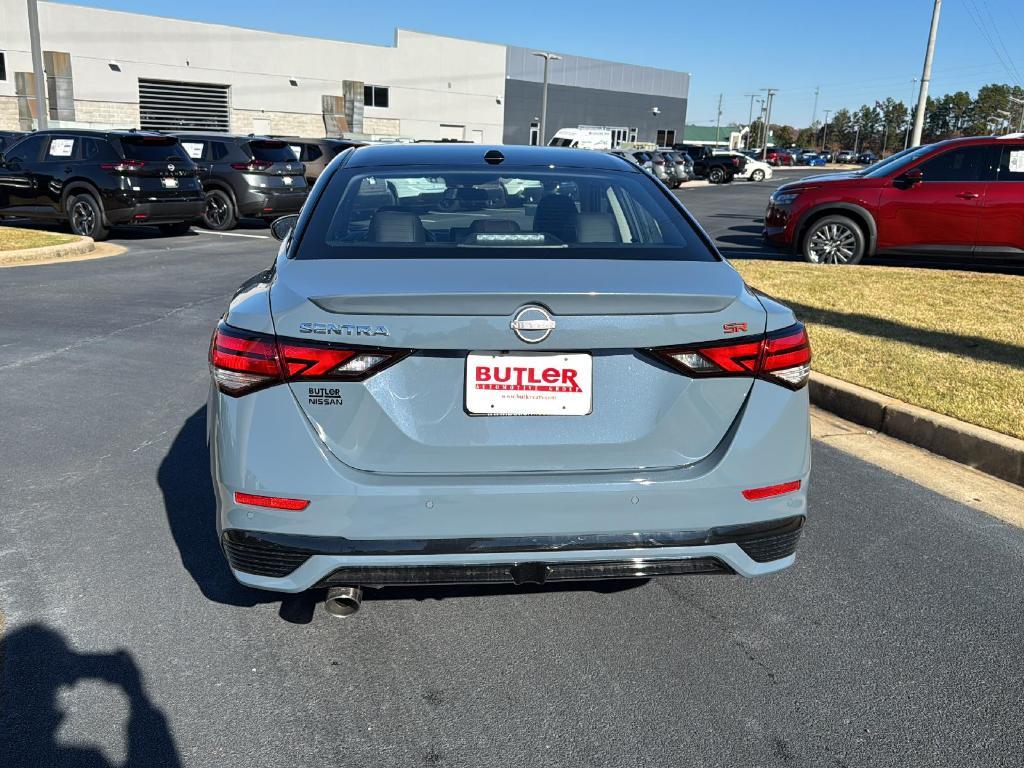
984	449
79	247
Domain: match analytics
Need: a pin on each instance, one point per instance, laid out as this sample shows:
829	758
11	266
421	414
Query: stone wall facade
382	126
9	113
245	121
107	114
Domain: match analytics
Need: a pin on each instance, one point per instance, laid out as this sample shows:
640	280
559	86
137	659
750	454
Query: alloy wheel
216	213
83	218
832	244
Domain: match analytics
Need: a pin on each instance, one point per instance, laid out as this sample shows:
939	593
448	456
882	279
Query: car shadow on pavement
37	667
184	480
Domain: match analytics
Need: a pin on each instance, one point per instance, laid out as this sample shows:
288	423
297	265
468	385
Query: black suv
96	179
315	154
245	176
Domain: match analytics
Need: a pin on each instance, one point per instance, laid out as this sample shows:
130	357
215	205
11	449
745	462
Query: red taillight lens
783	357
770	491
252	165
272	502
244	361
123	166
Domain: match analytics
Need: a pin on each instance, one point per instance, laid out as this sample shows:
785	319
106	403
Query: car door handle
68	169
968	195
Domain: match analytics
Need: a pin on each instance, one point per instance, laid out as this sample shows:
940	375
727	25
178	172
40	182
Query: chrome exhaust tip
343	601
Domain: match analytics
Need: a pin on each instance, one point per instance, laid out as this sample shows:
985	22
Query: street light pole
767	120
913	87
926	76
856	137
37	65
824	131
548	58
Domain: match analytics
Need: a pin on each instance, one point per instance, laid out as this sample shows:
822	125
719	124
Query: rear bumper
163	212
256	556
271	202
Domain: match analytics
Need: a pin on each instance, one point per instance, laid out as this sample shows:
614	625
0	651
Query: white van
582	138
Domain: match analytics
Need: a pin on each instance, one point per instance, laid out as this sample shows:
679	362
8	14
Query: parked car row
93	180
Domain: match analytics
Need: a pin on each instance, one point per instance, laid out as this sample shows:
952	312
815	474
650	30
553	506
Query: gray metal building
640	103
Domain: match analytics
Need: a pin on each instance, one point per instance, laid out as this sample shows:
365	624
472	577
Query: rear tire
176	229
716	176
833	240
219	212
85	217
757	175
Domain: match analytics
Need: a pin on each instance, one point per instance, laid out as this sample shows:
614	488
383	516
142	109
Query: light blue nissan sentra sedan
530	365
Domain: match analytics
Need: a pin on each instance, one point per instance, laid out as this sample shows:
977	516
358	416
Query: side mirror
282	227
911	177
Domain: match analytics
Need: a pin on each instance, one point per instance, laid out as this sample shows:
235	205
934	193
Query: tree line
885	126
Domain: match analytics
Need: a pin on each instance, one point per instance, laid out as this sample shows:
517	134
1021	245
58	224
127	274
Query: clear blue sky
854	52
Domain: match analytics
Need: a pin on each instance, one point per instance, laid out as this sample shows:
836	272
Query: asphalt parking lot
893	641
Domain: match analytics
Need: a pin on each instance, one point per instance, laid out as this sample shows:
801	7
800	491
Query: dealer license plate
529	384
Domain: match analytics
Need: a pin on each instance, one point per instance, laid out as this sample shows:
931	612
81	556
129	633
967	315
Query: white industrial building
114	69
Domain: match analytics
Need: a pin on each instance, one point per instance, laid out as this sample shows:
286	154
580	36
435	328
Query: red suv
956	197
778	156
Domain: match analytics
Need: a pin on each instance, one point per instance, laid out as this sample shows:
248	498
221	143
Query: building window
632	134
534	134
3	65
375	96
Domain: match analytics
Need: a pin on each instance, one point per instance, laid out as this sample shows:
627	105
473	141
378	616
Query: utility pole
1015	100
767	119
824	132
926	76
750	116
718	123
548	58
37	65
913	87
814	112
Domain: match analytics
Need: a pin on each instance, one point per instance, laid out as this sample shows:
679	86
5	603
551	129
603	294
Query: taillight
252	165
783	357
123	166
736	162
244	361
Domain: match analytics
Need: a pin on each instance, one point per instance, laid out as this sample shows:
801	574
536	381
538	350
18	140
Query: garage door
173	105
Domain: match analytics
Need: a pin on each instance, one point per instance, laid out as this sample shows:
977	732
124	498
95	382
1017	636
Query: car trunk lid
414	417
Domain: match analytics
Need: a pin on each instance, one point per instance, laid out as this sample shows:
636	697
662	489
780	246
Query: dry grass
949	341
16	239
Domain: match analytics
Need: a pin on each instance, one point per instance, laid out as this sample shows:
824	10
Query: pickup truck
718	169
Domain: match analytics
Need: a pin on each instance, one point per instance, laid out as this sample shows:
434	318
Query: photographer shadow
37	663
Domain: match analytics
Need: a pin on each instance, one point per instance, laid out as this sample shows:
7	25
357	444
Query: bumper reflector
769	491
273	502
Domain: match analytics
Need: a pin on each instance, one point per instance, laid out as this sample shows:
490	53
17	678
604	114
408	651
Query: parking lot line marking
230	234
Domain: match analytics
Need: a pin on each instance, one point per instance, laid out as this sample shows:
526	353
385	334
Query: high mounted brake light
252	165
782	357
244	361
123	166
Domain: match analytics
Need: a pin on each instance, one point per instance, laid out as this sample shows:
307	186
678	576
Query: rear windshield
531	213
272	151
153	148
561	142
